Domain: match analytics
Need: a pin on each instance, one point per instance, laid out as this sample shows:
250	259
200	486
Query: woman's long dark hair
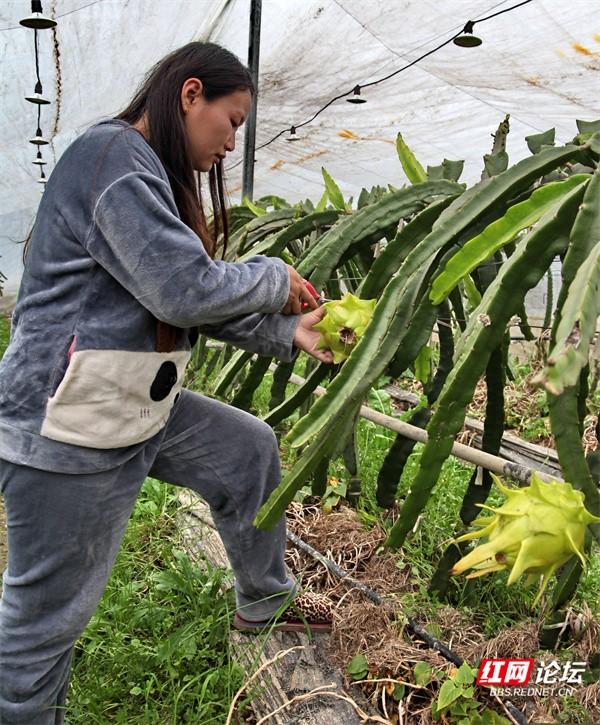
159	97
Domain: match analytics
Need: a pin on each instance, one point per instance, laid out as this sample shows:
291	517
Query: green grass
4	334
157	649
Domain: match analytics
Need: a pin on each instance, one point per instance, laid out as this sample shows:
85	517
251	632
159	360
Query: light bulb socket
37	20
356	96
293	135
38	139
466	39
38	95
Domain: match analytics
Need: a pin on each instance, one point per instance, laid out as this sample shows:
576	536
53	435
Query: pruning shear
319	297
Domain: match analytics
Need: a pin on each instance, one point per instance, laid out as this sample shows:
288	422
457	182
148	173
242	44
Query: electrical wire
56	17
38	87
37	55
493	15
467	28
457	319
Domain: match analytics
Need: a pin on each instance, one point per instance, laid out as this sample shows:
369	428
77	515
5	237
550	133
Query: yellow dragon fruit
536	530
344	324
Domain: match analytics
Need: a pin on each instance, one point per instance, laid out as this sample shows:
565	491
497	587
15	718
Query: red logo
504	672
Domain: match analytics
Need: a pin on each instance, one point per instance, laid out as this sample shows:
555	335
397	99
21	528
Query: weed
157	648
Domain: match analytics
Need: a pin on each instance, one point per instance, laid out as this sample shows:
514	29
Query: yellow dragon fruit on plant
536	530
344	324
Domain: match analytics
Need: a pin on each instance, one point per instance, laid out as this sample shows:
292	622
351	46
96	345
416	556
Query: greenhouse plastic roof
540	63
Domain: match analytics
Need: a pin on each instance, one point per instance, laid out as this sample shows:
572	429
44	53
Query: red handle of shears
314	293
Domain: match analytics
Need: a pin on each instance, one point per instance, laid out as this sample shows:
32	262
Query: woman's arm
137	236
281	336
265	334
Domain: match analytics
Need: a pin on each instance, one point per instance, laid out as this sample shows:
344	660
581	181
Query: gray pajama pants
64	533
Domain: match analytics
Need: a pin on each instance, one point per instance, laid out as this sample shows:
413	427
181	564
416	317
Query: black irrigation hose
413	627
376	598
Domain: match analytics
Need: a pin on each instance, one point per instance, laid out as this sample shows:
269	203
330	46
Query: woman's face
211	125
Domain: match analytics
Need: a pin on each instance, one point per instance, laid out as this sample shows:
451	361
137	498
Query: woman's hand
306	338
298	294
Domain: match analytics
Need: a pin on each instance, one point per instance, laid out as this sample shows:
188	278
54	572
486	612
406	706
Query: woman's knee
261	440
253	469
29	614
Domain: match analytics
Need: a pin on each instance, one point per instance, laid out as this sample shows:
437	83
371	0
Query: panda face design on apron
114	398
165	379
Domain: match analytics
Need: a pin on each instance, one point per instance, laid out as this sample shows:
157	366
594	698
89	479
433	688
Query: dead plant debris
378	632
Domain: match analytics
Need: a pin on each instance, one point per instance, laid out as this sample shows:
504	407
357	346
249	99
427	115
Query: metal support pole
250	134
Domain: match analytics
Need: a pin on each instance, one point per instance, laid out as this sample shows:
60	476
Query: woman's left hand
306	338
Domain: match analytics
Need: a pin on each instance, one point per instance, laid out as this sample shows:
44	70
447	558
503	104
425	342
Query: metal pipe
476	457
250	131
472	455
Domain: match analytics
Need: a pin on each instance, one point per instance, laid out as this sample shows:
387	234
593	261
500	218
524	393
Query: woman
119	279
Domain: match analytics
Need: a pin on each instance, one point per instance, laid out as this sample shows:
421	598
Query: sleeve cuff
285	329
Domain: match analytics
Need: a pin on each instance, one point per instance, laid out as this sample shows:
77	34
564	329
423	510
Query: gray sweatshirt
82	387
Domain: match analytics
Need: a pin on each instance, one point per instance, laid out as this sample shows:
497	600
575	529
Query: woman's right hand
298	294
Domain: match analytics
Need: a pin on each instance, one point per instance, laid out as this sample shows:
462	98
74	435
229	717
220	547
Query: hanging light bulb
293	135
37	96
42	179
38	159
466	39
37	20
356	97
38	139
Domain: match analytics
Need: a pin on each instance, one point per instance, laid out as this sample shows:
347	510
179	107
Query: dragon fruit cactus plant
344	324
536	530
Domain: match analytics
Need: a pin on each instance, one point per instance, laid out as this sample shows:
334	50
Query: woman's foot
307	611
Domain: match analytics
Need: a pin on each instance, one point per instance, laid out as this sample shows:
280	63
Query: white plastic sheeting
540	63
